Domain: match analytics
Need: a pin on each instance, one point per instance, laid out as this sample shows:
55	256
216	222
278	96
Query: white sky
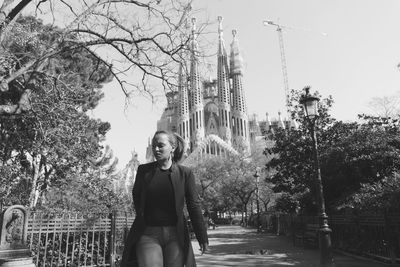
355	62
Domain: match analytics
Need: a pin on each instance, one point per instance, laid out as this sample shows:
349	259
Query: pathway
237	246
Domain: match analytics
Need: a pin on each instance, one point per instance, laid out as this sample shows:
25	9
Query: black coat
183	183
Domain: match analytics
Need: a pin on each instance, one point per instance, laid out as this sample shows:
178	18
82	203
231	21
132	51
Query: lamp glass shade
311	107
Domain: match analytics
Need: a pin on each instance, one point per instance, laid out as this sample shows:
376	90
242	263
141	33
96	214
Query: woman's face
162	148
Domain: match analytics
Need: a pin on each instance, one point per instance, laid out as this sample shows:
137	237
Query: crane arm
284	70
279	29
283	62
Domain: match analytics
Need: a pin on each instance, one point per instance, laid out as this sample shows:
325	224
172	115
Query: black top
160	201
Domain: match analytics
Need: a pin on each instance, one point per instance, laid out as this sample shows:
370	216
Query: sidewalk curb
342	252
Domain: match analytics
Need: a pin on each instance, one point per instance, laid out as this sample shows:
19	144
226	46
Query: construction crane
283	57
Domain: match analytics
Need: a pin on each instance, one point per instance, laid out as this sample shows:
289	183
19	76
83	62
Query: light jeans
159	247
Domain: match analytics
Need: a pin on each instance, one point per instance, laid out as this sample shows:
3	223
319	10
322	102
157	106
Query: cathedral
211	115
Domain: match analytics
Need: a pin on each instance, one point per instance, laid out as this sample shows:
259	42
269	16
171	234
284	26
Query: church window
241	127
233	121
197	120
191	125
226	118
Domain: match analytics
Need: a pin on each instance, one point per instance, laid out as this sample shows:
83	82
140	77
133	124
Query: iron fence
77	240
369	235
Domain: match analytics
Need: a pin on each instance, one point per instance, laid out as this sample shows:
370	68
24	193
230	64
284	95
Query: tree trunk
245	215
36	162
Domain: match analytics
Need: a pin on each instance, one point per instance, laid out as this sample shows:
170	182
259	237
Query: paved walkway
237	246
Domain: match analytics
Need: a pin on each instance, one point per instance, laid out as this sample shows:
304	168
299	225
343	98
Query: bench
307	235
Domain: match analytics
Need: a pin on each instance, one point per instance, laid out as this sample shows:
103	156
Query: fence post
126	228
113	218
278	224
389	237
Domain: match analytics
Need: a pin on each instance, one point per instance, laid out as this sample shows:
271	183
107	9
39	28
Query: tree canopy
55	56
352	155
138	42
228	184
55	141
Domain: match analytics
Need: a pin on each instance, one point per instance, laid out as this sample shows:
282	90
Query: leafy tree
357	154
291	165
266	195
209	174
287	203
50	75
56	139
226	184
383	195
239	181
351	154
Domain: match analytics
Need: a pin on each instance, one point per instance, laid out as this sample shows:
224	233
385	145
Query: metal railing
77	240
369	235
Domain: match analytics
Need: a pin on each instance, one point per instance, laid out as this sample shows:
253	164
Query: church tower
183	105
210	115
224	101
239	108
196	122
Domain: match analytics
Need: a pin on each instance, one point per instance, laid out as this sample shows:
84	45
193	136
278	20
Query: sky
355	61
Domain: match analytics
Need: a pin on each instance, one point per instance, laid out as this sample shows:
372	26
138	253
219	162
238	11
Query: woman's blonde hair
176	141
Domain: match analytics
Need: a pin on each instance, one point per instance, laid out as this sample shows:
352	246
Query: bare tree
386	106
139	41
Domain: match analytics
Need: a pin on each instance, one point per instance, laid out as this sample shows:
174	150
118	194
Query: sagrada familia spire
211	115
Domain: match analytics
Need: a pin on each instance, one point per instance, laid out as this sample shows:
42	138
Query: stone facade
217	107
211	115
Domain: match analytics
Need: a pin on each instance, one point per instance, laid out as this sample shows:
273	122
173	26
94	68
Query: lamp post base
325	246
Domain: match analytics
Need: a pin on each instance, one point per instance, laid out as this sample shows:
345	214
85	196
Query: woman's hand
203	248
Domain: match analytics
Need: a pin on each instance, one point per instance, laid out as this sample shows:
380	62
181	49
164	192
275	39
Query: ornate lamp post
257	176
310	104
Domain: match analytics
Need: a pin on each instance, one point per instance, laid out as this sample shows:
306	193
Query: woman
159	236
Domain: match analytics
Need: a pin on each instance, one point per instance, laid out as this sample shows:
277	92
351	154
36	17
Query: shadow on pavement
237	246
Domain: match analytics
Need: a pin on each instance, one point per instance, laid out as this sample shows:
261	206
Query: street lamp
257	176
310	104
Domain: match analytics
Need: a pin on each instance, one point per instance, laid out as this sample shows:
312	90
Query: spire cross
220	30
234	32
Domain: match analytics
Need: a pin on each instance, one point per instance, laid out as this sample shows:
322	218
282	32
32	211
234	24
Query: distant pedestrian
159	236
212	223
206	216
